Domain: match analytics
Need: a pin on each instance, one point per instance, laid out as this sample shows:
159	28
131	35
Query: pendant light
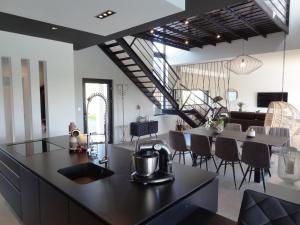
280	113
244	64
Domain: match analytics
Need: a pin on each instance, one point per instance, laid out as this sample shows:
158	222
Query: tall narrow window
27	98
8	98
43	98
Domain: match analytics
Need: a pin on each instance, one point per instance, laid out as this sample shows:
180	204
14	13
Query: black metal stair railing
161	69
200	109
148	68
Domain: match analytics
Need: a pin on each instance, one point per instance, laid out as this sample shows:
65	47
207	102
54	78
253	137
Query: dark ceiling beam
220	25
209	33
169	43
177	39
190	36
284	27
244	21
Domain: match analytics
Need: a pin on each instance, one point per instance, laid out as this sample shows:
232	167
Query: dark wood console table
139	129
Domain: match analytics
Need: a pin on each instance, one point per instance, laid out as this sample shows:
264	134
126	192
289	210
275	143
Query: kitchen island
31	183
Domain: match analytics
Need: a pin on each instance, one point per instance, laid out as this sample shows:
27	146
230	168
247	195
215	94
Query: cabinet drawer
11	194
10	169
11	163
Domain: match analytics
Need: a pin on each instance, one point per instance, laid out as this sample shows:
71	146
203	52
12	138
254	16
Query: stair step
132	64
133	71
118	52
125	58
113	44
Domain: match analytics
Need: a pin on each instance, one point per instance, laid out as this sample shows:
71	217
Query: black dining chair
178	143
227	151
257	157
200	147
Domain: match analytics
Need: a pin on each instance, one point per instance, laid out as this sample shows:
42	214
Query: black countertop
115	199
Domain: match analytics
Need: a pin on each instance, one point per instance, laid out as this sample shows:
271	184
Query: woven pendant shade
244	64
283	114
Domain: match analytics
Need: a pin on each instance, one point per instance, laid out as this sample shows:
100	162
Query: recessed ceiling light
54	28
218	36
186	42
151	31
105	14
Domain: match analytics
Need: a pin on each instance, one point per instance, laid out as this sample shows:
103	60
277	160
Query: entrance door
94	110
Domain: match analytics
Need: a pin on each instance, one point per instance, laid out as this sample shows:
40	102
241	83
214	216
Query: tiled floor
229	198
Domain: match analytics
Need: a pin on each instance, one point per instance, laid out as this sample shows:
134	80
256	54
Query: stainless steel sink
85	173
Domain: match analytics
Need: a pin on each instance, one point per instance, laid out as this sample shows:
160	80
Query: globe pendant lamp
244	64
283	114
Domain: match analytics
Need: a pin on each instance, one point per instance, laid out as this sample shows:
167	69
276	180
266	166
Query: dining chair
258	129
233	127
281	132
200	146
227	151
257	157
178	143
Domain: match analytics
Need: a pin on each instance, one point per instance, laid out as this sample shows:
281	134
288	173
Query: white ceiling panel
80	14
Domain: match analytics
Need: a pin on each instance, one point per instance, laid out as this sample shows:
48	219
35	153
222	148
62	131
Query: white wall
268	79
60	82
93	63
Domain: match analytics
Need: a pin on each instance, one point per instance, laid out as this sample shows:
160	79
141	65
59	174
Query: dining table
270	140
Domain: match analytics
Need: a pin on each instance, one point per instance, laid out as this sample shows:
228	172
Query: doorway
94	110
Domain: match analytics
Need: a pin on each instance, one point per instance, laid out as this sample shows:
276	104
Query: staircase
148	69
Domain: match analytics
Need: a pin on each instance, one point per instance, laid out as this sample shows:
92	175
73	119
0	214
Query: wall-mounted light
105	14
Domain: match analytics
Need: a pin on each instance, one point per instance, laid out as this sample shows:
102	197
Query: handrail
162	58
148	50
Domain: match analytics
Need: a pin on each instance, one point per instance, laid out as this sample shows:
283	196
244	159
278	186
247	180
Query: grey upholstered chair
256	209
282	132
177	142
200	146
233	127
257	157
227	151
258	129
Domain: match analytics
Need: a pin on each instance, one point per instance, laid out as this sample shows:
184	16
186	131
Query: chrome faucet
106	130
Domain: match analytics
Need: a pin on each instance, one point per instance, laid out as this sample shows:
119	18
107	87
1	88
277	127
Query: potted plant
217	125
240	105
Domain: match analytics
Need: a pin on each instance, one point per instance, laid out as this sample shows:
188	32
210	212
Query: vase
241	109
289	165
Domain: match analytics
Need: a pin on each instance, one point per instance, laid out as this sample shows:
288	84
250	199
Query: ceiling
243	20
80	15
77	24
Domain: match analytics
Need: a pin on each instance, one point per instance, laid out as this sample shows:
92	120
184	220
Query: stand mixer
152	163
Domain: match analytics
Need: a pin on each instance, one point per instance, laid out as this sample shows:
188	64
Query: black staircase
148	69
